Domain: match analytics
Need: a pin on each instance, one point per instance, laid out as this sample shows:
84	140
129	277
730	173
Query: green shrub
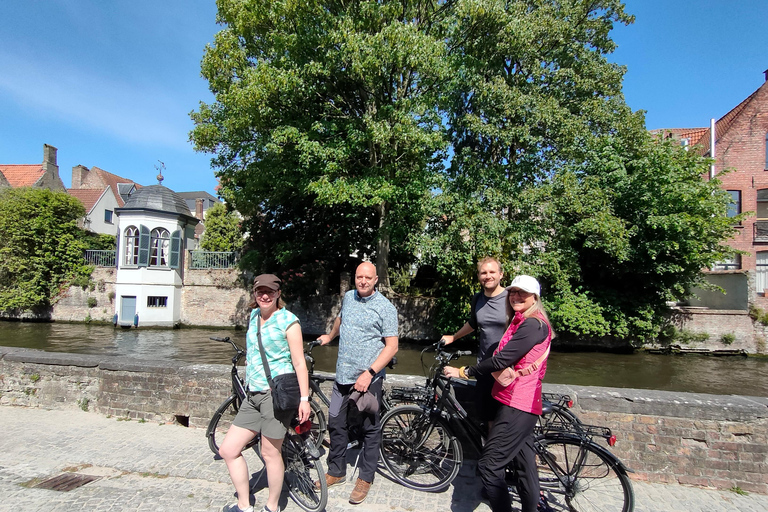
727	339
91	302
686	337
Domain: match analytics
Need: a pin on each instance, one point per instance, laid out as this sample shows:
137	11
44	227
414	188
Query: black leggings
510	441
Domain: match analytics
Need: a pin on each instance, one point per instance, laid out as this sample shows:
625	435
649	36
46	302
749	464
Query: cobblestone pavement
146	466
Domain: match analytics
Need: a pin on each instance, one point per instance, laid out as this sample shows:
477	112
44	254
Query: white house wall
95	220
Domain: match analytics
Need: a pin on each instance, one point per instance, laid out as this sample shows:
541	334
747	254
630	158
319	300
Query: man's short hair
489	259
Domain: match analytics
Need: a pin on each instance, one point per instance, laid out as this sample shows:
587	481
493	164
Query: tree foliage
325	121
41	246
223	232
445	131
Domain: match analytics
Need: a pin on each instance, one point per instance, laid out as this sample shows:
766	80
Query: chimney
199	208
766	75
51	169
77	175
49	155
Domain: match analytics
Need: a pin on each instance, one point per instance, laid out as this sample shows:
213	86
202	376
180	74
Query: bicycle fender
609	455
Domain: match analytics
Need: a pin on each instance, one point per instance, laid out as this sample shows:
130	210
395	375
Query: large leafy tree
326	127
531	87
451	130
553	173
41	246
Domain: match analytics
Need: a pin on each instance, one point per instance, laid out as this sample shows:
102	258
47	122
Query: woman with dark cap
518	365
283	346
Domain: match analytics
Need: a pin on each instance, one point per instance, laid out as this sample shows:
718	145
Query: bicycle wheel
588	477
301	473
319	424
420	452
220	423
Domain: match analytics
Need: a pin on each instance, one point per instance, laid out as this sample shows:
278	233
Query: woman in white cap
518	364
278	331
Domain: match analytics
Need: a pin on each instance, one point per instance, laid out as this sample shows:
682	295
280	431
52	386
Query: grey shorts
256	414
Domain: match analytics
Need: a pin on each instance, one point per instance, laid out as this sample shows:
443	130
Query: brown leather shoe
359	492
331	480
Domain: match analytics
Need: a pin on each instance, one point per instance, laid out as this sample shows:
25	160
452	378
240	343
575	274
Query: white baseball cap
527	284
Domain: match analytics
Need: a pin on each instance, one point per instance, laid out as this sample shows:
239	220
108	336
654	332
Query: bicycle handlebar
225	340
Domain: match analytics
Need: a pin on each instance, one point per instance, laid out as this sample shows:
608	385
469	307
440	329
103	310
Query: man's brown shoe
331	480
359	492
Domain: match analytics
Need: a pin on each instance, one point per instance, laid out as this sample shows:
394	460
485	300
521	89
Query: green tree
222	230
41	247
445	131
325	115
555	175
530	87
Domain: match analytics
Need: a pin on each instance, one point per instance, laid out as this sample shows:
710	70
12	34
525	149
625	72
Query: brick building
741	146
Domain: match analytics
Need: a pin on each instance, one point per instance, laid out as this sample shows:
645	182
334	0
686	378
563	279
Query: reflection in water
690	373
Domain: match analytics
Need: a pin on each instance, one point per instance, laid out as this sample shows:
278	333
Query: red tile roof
22	175
111	180
88	196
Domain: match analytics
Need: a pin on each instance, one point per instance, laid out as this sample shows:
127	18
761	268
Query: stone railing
707	440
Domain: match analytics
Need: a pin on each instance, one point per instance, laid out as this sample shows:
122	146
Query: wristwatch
304	399
370	370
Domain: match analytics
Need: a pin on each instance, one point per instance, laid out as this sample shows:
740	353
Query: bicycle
300	455
421	450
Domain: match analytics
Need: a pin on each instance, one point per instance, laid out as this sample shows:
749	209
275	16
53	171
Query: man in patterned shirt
367	325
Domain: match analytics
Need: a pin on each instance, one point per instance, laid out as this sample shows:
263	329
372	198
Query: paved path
146	466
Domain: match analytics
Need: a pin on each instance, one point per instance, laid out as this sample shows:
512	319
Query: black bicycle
300	455
421	450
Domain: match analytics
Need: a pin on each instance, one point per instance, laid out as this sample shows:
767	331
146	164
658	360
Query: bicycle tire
220	423
589	477
301	473
419	451
319	424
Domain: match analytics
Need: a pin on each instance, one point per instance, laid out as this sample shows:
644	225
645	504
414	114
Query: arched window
159	247
131	245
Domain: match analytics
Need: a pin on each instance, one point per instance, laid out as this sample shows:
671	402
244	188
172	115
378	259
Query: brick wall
709	440
742	149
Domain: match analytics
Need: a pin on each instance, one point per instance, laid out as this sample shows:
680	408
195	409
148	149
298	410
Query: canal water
686	373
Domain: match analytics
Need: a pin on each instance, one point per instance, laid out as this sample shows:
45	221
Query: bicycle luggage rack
416	394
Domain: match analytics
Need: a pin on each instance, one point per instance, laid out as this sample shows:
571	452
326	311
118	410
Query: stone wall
749	336
219	298
72	305
708	440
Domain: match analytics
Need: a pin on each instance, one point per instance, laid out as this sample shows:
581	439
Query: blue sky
111	83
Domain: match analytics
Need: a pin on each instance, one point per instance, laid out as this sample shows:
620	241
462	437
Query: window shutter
144	241
176	249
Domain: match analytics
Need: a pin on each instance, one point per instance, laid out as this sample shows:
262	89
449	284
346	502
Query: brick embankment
704	440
